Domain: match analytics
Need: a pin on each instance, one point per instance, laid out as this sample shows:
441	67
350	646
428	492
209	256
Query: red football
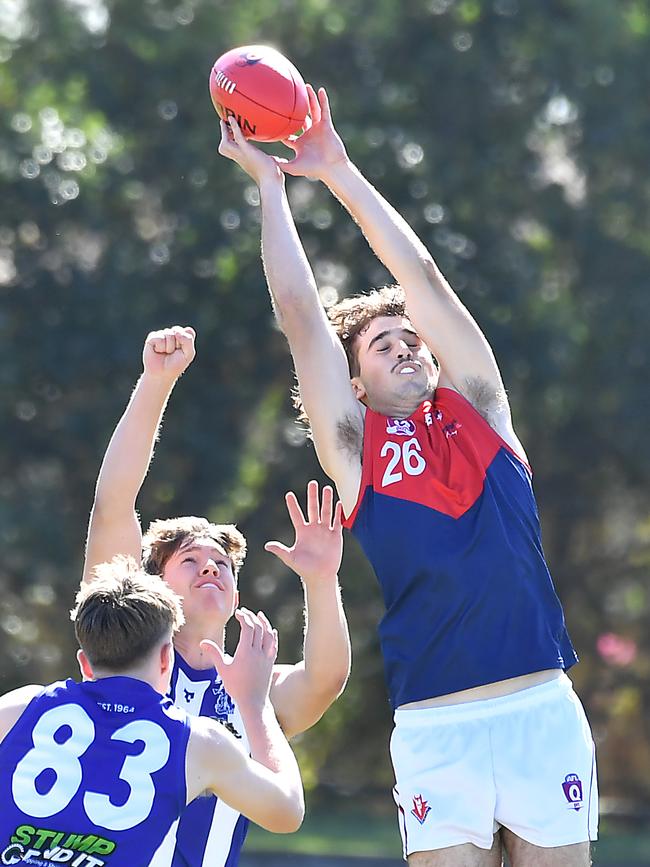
262	89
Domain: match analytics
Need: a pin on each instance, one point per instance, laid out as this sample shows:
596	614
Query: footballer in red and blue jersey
440	499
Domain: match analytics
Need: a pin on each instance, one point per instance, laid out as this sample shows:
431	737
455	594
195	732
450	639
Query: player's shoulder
12	705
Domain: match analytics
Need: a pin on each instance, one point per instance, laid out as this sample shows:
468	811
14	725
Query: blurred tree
516	140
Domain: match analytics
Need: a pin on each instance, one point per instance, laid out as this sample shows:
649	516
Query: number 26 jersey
92	774
447	517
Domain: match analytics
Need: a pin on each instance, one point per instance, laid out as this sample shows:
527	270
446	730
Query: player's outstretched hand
246	676
320	147
250	158
318	547
169	352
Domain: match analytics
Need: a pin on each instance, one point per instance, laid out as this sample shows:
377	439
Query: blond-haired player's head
200	561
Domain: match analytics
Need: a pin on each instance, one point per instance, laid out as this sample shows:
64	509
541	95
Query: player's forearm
130	449
288	274
327	653
437	313
389	235
270	748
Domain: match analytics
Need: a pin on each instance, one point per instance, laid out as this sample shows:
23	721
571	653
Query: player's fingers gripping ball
262	89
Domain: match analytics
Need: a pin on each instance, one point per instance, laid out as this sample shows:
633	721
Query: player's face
397	370
202	574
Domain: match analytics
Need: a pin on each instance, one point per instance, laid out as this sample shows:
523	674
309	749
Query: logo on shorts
572	787
401	426
421	809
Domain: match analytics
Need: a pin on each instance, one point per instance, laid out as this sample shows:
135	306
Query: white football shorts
525	761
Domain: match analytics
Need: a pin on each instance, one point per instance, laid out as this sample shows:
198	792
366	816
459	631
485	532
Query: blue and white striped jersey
209	833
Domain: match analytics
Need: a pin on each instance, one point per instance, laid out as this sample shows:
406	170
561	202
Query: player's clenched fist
169	352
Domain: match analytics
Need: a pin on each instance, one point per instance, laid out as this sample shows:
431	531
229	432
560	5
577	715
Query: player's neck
398	408
146	674
187	642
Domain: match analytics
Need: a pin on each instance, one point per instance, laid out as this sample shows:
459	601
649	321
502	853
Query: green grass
353	832
616	847
334	832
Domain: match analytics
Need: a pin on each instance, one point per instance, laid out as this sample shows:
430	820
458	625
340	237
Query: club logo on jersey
451	429
403	427
224	706
421	809
188	695
56	847
572	787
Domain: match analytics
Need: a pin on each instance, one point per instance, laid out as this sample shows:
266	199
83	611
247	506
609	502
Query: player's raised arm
114	527
321	366
439	317
266	786
302	693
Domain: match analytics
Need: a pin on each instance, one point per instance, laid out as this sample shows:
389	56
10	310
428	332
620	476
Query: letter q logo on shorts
572	787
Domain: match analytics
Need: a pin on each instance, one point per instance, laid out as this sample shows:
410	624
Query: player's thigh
466	855
524	854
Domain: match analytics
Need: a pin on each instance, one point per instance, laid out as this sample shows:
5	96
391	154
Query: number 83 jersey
447	517
92	774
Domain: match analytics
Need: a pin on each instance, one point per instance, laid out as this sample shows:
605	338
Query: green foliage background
514	136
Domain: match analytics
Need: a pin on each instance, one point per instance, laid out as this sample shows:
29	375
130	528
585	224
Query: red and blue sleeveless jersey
209	833
447	517
92	774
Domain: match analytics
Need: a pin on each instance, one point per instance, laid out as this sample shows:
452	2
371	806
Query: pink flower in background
616	650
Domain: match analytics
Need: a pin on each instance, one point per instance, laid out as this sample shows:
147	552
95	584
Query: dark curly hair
350	317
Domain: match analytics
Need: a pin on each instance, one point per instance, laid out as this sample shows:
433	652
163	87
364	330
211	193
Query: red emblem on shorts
420	809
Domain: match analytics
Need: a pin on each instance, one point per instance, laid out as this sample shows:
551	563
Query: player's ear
166	657
85	667
358	388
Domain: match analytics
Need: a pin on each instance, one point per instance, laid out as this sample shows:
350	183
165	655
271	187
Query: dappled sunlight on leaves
512	136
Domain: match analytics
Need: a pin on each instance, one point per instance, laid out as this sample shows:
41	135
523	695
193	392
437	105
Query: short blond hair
123	614
167	535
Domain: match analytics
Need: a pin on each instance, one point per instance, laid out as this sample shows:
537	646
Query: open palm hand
318	547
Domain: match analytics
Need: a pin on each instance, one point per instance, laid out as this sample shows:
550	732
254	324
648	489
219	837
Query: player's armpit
493	405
